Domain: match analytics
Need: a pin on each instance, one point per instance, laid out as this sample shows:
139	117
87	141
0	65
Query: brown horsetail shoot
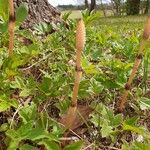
69	118
136	65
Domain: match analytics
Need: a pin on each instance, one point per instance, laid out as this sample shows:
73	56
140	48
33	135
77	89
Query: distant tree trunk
103	8
133	7
86	4
147	7
39	11
93	5
117	6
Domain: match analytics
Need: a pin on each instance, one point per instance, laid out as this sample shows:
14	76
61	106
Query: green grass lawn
74	13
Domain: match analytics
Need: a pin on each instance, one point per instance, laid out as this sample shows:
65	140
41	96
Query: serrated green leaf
12	134
139	130
132	120
21	13
4	106
28	147
144	103
140	146
106	130
37	134
75	146
50	145
25	93
6	103
25	129
28	113
13	145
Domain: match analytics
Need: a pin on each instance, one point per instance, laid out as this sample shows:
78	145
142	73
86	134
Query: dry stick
80	43
137	63
11	27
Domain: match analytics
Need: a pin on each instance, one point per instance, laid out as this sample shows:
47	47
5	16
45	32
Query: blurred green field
132	21
74	13
77	13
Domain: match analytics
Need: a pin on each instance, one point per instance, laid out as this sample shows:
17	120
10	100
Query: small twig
88	146
110	147
17	110
68	138
34	64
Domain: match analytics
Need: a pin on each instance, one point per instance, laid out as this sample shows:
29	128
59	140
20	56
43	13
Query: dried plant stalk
137	63
69	118
11	27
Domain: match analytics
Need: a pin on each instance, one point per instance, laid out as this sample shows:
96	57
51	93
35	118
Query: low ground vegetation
42	67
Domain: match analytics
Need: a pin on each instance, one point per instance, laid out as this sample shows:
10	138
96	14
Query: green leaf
43	27
140	146
125	145
12	134
6	103
144	103
4	9
39	133
4	106
74	146
66	15
25	130
4	27
131	121
133	129
21	13
117	120
13	145
63	106
28	113
28	147
50	145
25	93
106	130
4	127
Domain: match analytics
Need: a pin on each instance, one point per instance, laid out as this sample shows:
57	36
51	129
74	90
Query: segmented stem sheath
80	43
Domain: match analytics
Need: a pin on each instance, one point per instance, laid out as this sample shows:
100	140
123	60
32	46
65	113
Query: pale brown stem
125	94
70	117
11	27
78	75
134	70
132	75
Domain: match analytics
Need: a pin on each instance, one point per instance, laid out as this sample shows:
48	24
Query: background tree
86	4
93	5
117	6
147	5
103	7
133	7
